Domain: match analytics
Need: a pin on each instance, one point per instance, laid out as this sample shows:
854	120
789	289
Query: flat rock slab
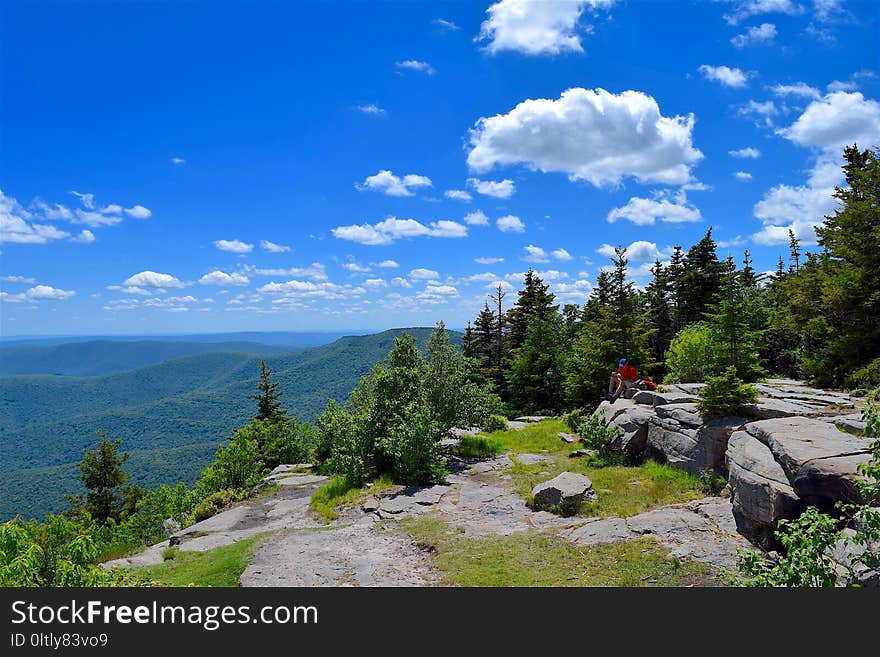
287	468
768	408
684	413
352	555
516	425
297	479
820	461
532	459
411	499
458	432
654	398
529	419
569	438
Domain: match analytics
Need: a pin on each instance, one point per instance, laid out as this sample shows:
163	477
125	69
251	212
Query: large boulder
820	461
767	408
760	492
632	430
685	414
563	493
690	448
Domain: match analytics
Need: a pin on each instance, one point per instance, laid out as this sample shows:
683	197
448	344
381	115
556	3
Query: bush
868	376
214	503
597	435
690	355
495	423
478	447
725	395
237	465
806	559
573	419
416	449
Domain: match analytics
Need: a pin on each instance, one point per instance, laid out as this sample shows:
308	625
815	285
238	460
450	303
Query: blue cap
622	362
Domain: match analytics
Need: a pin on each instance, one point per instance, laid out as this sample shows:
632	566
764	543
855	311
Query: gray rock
532	459
690	449
170	526
371	505
570	438
819	460
654	398
564	492
682	413
687	388
458	432
528	419
760	491
580	453
768	408
851	422
632	424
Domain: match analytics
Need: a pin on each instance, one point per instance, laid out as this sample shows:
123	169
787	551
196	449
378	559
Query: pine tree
659	313
794	247
733	337
269	397
675	283
700	280
536	373
780	270
747	275
468	342
103	477
534	302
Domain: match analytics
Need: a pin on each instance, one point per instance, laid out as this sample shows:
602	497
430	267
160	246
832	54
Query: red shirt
628	372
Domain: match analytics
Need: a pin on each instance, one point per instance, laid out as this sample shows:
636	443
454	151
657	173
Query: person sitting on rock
626	376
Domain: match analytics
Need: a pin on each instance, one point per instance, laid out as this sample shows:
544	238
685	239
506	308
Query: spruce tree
533	302
794	247
103	476
659	311
269	397
701	280
747	275
734	339
536	373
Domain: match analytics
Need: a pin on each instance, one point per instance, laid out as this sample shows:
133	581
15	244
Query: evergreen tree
486	344
780	270
794	247
700	280
534	303
269	397
103	476
675	285
468	342
659	313
536	373
747	275
733	337
616	330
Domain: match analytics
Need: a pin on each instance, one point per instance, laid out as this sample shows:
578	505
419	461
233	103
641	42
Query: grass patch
221	566
623	490
479	447
536	559
329	499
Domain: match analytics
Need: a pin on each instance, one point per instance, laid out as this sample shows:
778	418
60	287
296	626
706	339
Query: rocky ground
796	447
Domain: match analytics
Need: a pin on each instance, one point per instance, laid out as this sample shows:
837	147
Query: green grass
221	566
623	490
478	447
536	559
329	499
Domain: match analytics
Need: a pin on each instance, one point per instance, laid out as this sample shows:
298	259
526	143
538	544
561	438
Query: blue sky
193	167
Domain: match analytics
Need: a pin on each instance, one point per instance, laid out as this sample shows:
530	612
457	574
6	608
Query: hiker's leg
614	382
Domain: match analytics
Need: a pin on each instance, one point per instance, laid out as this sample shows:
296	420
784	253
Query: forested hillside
169	416
96	357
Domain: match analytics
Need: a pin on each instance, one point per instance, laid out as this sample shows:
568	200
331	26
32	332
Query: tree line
815	317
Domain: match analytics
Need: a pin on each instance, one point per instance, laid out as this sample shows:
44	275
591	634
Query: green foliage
416	451
237	465
103	477
214	503
573	419
867	376
537	369
806	558
690	355
494	423
597	435
279	441
57	552
479	447
394	419
725	395
269	398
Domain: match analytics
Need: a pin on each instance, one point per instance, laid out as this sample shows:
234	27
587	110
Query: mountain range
170	413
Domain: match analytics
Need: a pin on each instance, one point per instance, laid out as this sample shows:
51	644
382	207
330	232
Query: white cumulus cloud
591	135
272	247
510	224
223	279
149	278
388	183
392	229
477	218
724	75
756	35
234	246
495	188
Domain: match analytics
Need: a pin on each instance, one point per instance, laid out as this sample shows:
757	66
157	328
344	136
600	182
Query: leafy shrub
573	419
495	423
690	355
57	552
214	503
416	450
712	483
867	376
597	435
805	560
478	447
725	395
237	465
